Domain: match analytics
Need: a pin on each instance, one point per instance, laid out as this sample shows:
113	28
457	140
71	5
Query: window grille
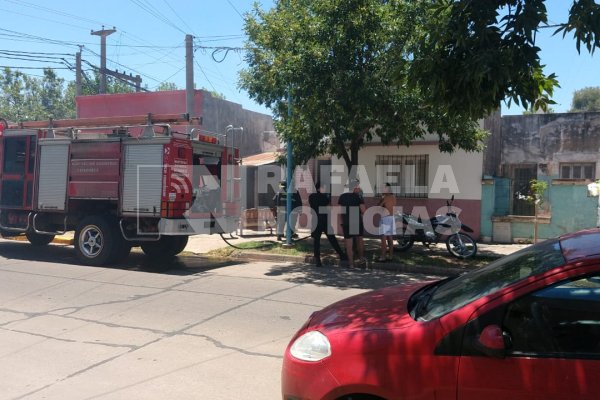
408	175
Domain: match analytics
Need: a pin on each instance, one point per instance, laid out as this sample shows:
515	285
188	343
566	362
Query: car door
552	338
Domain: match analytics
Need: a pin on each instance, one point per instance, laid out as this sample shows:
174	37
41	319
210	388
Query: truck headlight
312	346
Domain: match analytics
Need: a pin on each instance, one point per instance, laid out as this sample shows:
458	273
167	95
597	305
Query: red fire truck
148	181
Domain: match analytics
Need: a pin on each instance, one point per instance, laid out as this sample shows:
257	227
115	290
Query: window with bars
408	175
578	171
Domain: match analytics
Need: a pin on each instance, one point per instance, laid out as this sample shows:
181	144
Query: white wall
467	168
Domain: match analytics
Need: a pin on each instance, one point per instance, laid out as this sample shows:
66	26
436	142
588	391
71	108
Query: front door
18	168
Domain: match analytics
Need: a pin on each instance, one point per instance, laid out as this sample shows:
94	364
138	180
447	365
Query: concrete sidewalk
201	244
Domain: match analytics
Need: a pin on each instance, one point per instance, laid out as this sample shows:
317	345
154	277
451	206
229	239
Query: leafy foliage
344	64
27	98
586	99
23	97
166	86
472	55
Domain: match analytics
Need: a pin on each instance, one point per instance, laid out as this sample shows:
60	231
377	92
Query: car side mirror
491	342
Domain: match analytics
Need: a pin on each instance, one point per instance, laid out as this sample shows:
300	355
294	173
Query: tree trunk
352	170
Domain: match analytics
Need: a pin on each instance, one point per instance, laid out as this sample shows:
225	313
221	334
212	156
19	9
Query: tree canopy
586	99
472	55
356	70
24	97
338	61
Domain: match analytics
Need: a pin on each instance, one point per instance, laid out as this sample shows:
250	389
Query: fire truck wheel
95	240
37	239
166	247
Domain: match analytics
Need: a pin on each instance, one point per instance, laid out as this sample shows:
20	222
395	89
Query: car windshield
471	286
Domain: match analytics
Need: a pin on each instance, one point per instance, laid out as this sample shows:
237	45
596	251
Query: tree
472	55
586	99
166	86
28	98
335	60
24	97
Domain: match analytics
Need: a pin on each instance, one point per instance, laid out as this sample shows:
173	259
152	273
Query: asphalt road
189	329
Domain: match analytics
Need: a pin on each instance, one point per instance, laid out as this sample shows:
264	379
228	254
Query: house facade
561	149
422	177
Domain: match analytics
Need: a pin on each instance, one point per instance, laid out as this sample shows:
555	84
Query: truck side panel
142	179
95	170
52	175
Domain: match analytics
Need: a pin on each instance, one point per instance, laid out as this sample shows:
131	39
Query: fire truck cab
148	181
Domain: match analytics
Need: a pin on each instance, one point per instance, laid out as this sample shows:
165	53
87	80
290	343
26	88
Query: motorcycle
458	242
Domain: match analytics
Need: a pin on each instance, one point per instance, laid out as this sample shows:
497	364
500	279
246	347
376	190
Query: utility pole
103	33
189	75
78	88
290	178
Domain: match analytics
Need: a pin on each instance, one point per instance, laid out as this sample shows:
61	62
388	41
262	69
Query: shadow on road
344	278
137	261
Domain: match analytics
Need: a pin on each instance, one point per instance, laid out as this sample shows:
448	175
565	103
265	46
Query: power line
36	52
125	66
156	14
13	67
235	9
54	11
206	76
167	79
177	15
43	19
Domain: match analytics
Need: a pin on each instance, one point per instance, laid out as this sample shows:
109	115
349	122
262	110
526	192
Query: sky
150	34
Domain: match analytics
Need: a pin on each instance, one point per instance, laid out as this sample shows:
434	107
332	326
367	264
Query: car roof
582	244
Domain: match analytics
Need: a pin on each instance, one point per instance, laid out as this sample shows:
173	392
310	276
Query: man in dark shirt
281	204
353	208
319	202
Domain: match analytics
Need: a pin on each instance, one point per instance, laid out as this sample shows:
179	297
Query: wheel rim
91	241
463	249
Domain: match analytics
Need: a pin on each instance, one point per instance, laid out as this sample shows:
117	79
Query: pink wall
141	103
470	214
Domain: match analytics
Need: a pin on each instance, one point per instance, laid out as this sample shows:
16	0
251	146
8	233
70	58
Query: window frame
572	165
420	176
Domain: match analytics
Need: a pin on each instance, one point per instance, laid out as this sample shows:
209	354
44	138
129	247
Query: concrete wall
549	139
258	135
546	140
217	114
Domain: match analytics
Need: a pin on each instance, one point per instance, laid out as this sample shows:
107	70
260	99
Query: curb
64	240
395	267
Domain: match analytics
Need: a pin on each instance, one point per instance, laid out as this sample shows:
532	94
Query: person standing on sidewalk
387	225
320	203
353	208
281	204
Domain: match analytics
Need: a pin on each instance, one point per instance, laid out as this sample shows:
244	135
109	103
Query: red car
525	327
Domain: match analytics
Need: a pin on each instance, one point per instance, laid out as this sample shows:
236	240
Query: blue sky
150	41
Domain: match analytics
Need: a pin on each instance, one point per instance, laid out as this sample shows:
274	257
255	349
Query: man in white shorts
387	224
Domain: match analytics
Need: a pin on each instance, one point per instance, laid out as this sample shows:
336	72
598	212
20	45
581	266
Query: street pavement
193	328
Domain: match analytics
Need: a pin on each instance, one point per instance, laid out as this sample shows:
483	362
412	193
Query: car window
469	287
561	319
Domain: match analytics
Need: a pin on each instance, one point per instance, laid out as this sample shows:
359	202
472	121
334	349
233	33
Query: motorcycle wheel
467	249
405	242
